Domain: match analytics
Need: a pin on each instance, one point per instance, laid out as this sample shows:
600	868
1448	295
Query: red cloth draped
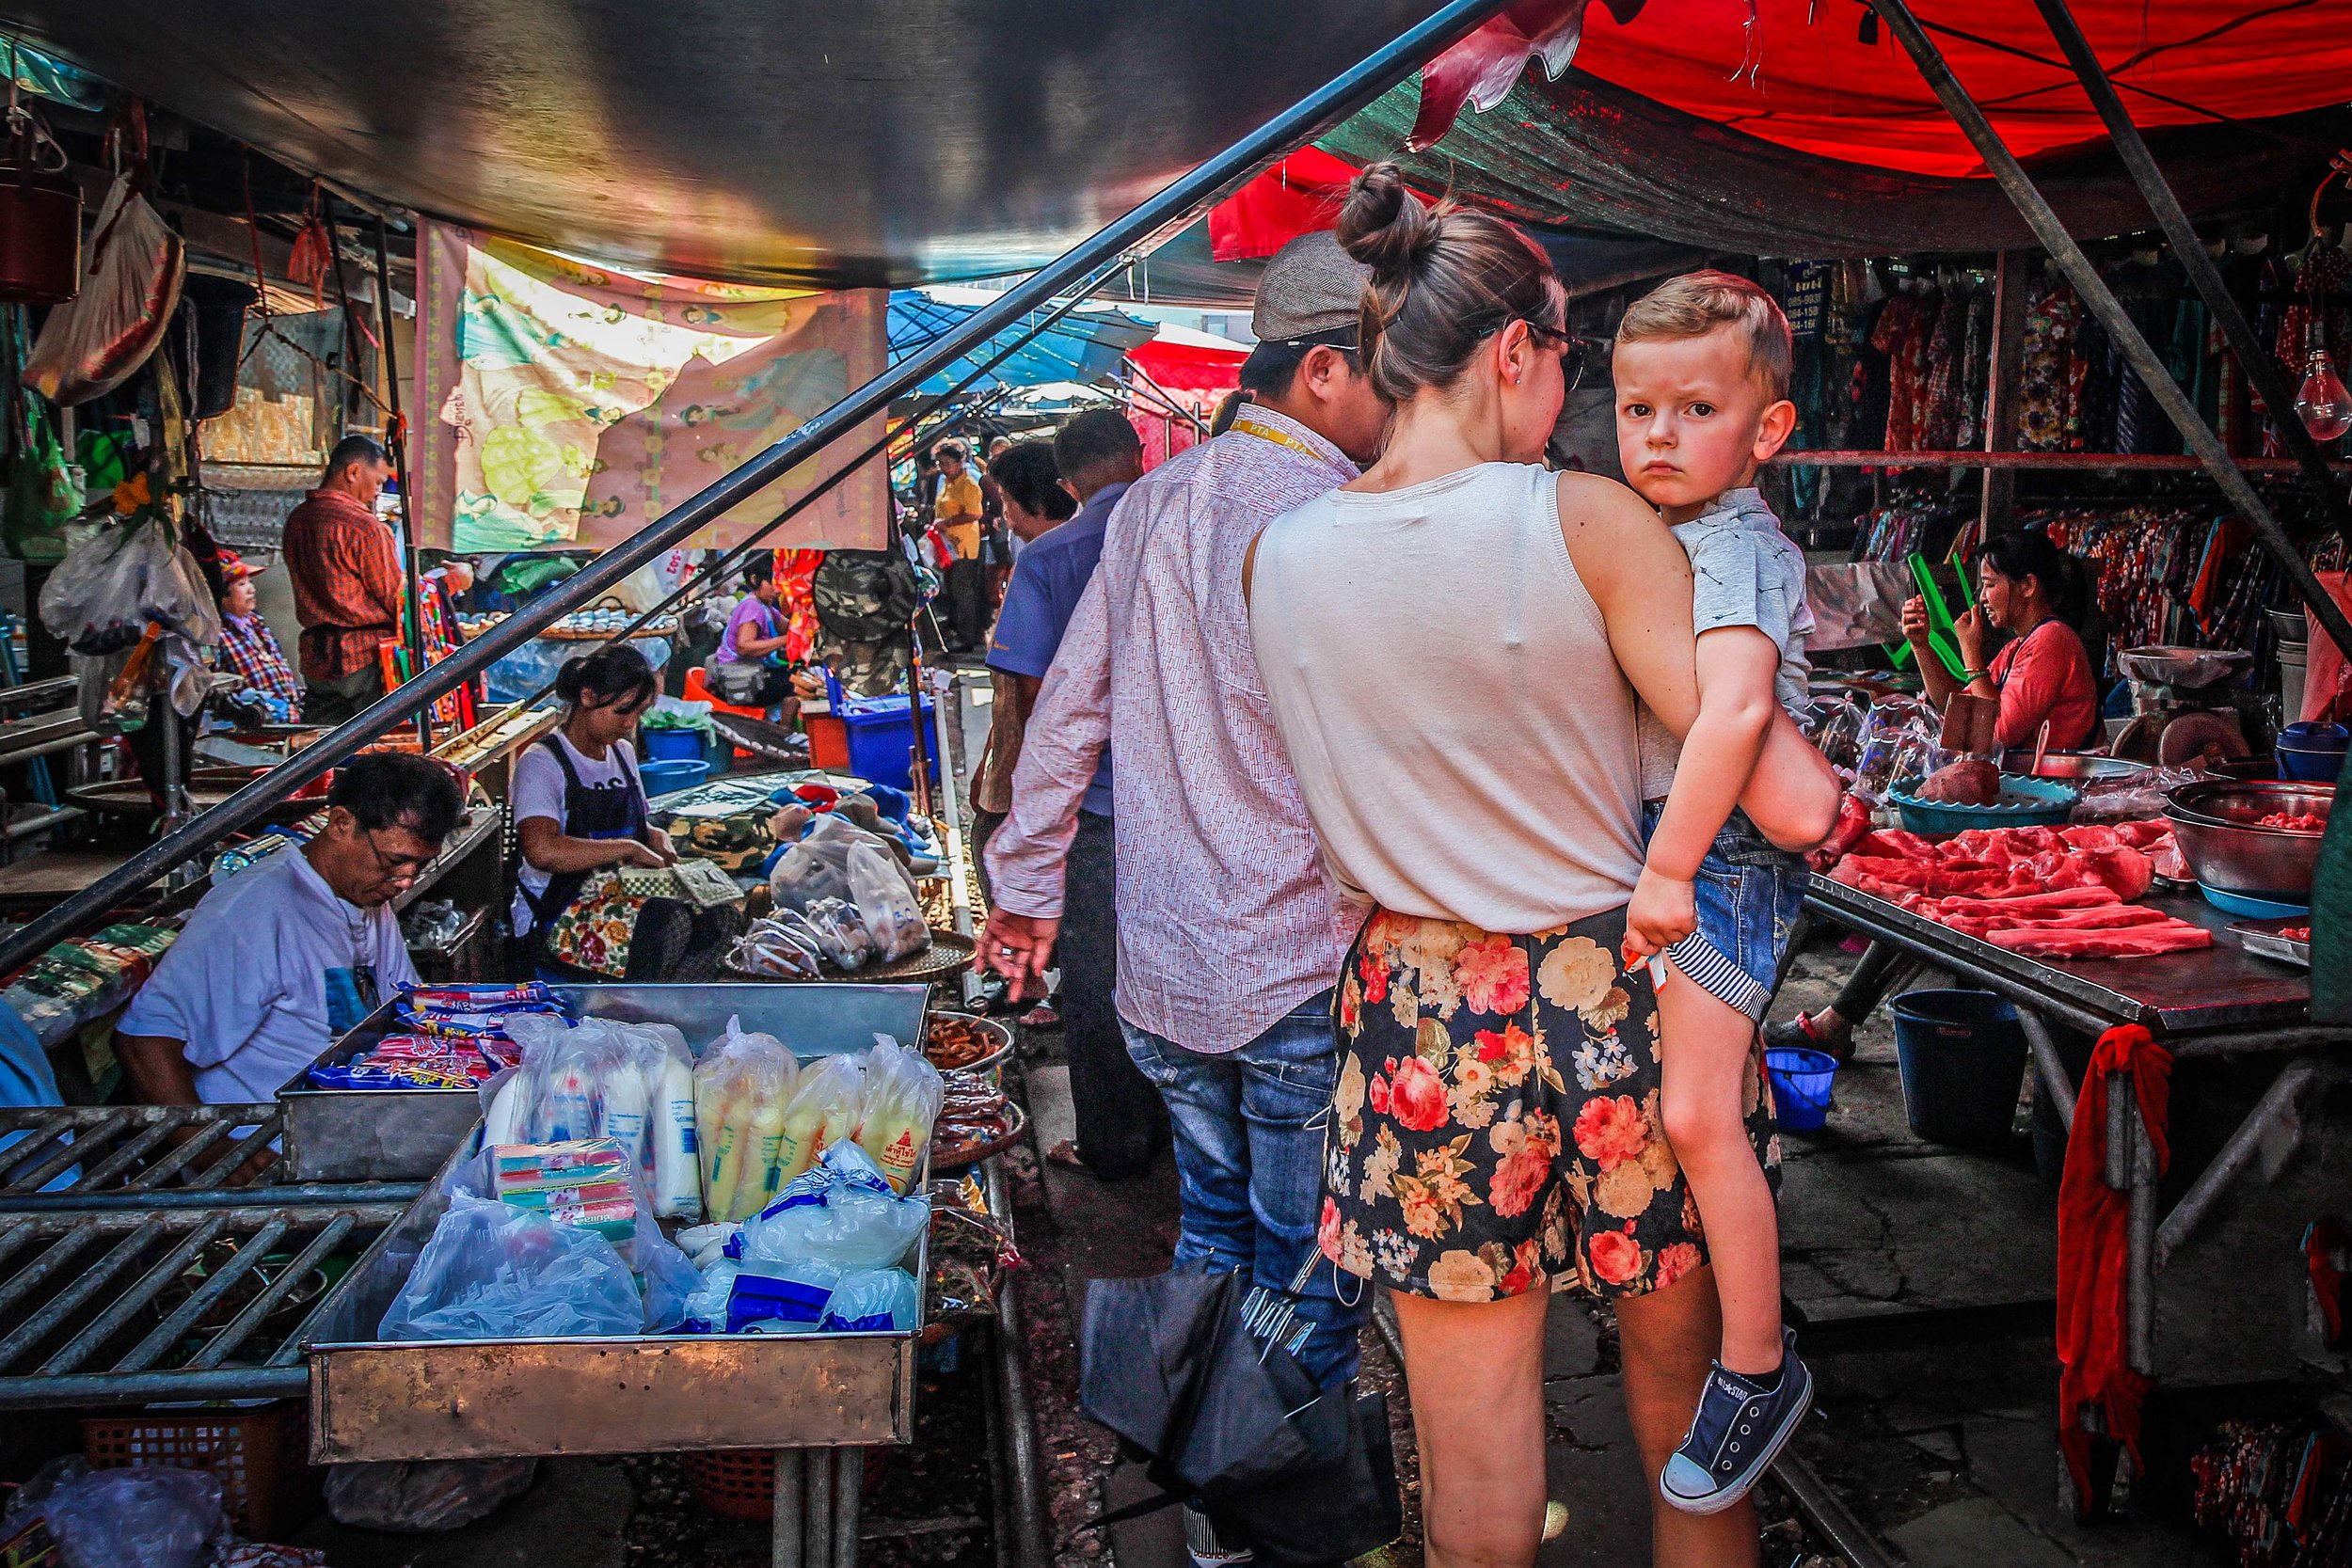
2094	1251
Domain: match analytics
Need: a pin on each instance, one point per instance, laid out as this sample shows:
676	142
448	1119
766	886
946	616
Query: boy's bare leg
1708	1046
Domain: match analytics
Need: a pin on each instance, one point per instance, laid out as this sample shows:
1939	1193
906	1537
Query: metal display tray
486	1398
406	1134
2267	939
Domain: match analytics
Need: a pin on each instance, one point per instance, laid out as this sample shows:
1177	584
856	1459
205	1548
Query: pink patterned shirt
1226	919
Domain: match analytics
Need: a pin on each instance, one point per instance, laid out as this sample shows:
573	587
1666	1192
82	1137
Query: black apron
606	813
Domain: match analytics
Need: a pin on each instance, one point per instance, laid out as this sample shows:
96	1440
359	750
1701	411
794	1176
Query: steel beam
2035	208
2262	368
1175	205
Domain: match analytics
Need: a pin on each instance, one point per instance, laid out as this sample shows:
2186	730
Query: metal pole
2053	1070
2275	1108
412	629
2095	294
2262	369
1175	205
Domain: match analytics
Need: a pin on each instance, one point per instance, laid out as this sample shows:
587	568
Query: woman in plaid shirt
248	649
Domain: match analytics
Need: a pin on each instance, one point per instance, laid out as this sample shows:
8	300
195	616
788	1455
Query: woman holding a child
1546	1036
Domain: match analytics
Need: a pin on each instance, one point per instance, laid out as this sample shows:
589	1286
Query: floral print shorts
1495	1127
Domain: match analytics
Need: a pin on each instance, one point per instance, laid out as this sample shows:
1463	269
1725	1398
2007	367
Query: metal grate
129	1305
79	1150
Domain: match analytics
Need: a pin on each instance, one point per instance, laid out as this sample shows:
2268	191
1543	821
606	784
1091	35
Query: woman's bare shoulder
1608	526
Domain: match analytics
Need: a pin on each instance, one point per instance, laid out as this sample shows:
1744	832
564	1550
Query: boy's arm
1736	667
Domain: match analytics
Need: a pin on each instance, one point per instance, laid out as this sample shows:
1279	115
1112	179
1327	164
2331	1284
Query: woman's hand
1663	912
1968	634
659	843
1916	621
628	851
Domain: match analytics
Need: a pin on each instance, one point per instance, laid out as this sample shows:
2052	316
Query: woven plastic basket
257	1455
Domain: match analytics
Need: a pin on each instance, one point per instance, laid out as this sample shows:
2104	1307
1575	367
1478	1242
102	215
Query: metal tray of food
2269	939
653	1393
405	1134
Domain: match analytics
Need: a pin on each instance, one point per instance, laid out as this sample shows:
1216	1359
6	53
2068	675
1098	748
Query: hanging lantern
2322	405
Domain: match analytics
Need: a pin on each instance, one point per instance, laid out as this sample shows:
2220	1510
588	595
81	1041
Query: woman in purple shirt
740	669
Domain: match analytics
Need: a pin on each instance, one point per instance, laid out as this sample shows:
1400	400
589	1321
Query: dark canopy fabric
857	144
1580	152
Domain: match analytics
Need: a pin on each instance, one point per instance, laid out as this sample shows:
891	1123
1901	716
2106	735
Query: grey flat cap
1311	289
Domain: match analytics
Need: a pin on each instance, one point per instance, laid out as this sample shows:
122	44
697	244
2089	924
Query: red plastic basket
740	1484
258	1456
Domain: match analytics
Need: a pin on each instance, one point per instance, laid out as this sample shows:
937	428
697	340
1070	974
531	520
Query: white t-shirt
538	791
271	967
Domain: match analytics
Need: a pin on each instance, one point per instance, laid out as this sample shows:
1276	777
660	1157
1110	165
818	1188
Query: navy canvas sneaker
1738	1431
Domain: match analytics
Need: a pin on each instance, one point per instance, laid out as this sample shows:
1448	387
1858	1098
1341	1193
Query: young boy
1702	376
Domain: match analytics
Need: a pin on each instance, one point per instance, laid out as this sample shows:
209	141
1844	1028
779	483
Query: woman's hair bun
1384	223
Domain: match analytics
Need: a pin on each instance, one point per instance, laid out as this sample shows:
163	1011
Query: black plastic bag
1303	1476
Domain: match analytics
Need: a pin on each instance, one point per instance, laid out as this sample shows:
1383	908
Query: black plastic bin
1962	1056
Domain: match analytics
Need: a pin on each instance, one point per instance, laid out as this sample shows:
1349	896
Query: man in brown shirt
347	582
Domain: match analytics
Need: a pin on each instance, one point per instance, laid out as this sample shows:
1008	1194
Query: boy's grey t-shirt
1744	572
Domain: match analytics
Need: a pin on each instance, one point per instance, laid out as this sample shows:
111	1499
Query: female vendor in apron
2033	591
579	806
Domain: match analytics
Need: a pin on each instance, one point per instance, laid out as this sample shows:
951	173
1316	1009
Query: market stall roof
1085	346
834	144
1800	139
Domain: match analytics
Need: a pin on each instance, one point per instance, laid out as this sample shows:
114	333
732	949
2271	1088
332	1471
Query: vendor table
2219	1001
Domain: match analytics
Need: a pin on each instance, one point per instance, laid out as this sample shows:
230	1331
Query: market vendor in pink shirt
2031	589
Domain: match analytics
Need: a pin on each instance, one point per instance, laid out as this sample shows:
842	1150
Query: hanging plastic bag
130	286
492	1271
155	1515
117	577
903	1096
741	1087
44	491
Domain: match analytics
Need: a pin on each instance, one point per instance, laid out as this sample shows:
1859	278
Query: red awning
1801	78
1817	88
1190	367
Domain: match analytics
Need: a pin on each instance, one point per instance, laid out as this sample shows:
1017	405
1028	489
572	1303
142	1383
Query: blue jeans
1249	1130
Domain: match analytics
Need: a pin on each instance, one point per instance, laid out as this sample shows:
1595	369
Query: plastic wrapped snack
824	1111
903	1094
741	1089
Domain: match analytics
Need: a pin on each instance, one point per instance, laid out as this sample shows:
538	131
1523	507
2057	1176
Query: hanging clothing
2048	373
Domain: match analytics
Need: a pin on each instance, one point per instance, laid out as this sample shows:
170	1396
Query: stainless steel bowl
2068	765
2214	821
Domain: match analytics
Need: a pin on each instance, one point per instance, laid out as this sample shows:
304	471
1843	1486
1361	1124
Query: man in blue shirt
1121	1118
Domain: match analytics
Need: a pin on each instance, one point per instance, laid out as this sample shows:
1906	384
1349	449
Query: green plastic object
1939	618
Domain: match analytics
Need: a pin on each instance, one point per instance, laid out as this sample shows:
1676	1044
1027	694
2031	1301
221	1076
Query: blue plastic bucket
1962	1056
882	739
674	745
665	778
1801	1082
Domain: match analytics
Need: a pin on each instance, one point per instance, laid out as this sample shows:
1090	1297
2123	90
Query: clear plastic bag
1899	735
843	1213
151	1516
492	1271
117	577
871	1301
818	865
670	1282
741	1089
887	901
901	1101
824	1111
781	945
420	1497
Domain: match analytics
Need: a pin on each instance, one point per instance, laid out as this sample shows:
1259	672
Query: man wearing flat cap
1230	937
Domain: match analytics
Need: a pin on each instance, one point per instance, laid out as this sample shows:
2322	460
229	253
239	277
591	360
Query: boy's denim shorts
1749	893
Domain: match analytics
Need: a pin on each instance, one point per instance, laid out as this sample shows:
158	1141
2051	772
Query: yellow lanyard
1280	438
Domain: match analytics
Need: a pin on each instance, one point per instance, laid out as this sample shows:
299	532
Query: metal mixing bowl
2068	765
2214	821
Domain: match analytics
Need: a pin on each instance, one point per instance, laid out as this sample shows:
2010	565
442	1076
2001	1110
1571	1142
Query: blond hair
1697	303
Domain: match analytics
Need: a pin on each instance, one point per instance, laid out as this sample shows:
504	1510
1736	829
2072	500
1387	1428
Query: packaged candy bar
532	996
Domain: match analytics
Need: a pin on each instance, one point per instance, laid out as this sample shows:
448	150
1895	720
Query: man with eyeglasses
280	959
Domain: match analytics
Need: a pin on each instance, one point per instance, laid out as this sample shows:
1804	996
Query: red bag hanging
2328	684
90	345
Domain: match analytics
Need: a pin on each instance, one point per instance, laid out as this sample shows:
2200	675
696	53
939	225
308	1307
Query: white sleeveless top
1463	737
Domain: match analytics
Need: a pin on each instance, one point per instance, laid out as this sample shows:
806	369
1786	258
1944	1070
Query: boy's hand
1663	912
